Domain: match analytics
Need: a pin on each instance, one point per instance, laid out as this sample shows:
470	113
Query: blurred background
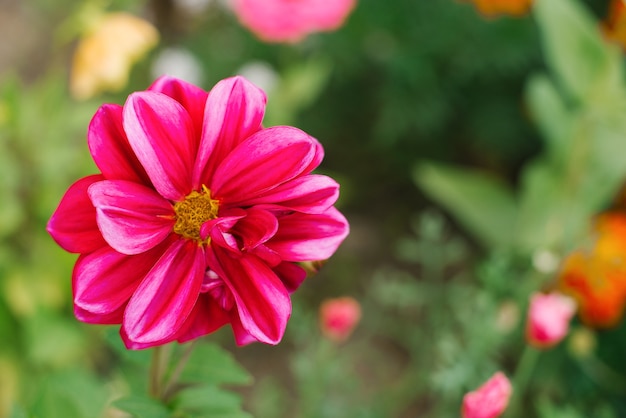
474	151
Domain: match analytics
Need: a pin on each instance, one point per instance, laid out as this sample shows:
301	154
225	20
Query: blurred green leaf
142	407
575	48
482	204
211	402
211	364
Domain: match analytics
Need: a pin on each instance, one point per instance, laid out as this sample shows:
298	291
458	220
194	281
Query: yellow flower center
193	211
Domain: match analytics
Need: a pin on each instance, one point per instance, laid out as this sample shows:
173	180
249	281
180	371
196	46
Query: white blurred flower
545	261
194	6
179	63
261	74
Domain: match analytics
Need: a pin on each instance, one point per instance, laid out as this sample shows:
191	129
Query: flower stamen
193	211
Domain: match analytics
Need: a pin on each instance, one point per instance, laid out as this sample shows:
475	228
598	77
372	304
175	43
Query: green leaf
210	401
482	204
575	49
211	364
142	407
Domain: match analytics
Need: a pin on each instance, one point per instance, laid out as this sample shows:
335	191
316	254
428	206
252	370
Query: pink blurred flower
198	216
291	20
548	318
488	401
339	317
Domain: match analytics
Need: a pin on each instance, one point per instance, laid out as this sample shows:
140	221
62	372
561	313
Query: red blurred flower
291	20
198	216
488	401
548	318
339	317
614	25
596	278
491	8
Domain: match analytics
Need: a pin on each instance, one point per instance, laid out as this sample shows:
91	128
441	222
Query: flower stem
522	376
158	367
170	387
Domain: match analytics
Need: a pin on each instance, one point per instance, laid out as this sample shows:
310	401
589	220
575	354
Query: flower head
104	57
548	318
488	401
197	217
596	277
492	8
339	317
291	20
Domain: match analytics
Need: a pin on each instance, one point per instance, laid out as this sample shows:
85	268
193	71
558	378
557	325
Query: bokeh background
473	152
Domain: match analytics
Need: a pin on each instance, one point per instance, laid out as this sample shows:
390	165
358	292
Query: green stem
170	387
158	367
522	376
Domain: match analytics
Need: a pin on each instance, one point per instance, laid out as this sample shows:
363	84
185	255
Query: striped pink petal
132	218
161	132
165	298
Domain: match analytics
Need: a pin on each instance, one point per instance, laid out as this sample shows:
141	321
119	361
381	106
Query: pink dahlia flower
549	316
198	217
291	20
490	400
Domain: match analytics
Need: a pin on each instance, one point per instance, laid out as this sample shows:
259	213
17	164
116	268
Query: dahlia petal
133	218
270	257
207	316
303	237
109	318
308	194
191	97
163	301
256	228
161	133
106	279
110	148
242	336
234	111
262	301
291	275
264	161
73	224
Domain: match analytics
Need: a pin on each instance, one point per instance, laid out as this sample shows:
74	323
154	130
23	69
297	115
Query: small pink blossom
339	317
490	400
548	318
291	20
197	217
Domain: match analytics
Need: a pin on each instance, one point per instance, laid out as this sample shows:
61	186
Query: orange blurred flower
339	317
104	57
596	278
492	8
614	25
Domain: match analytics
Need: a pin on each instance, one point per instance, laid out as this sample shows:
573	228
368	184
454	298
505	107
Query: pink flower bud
338	317
488	401
548	318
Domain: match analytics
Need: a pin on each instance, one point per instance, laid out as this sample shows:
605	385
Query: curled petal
303	237
263	304
110	148
165	298
256	228
110	318
264	161
104	280
161	133
191	97
234	111
308	194
73	224
133	218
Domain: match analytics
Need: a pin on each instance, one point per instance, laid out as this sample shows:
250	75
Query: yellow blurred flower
106	54
491	8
